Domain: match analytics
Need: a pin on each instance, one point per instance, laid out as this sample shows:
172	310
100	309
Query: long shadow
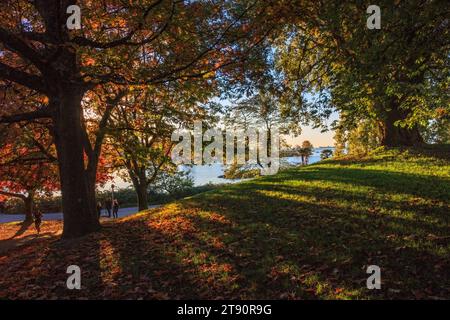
377	236
13	243
421	212
23	228
384	181
253	240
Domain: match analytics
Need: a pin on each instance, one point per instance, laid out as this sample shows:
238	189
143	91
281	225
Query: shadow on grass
383	181
269	238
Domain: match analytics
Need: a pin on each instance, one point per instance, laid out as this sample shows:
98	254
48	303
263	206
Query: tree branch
16	44
27	116
23	78
81	41
14	195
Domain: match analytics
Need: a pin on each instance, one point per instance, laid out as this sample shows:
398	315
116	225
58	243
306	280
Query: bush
326	153
236	171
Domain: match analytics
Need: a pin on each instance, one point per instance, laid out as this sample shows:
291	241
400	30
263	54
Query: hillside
305	233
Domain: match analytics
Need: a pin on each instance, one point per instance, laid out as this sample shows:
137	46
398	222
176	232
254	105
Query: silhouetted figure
99	209
37	220
115	208
108	206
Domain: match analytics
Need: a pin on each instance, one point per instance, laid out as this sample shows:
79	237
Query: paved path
123	212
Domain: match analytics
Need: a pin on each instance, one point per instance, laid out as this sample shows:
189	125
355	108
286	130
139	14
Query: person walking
115	208
108	205
99	209
37	220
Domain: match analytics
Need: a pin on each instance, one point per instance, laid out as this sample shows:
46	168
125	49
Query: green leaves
370	74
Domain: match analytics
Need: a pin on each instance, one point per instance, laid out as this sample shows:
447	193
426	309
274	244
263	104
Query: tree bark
28	202
77	189
396	136
140	184
142	195
29	205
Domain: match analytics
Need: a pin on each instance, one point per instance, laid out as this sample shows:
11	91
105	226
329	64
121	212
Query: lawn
305	233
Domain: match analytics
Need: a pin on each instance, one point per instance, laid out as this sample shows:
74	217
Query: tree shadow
23	227
383	181
13	242
327	239
264	239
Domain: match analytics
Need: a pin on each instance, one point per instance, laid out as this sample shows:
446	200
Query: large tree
396	76
121	43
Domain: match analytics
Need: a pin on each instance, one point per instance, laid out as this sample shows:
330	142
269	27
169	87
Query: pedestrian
37	220
108	205
99	209
115	208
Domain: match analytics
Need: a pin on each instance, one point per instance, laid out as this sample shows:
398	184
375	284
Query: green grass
311	232
305	233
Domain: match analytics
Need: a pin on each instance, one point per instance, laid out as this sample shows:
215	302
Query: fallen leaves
291	244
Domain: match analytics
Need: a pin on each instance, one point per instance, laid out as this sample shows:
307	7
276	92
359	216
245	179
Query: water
204	174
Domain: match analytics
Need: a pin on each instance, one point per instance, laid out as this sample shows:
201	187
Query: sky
315	136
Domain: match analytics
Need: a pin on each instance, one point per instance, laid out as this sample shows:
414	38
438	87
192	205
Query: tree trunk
29	206
139	178
396	136
78	193
142	195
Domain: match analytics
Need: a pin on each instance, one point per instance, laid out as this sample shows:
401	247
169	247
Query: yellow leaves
138	87
209	75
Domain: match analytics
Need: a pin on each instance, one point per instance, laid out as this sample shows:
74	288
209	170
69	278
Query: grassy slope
305	233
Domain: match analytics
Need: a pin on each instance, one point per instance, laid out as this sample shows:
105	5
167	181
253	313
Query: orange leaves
43	99
88	62
216	217
23	165
95	24
173	226
441	112
216	268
